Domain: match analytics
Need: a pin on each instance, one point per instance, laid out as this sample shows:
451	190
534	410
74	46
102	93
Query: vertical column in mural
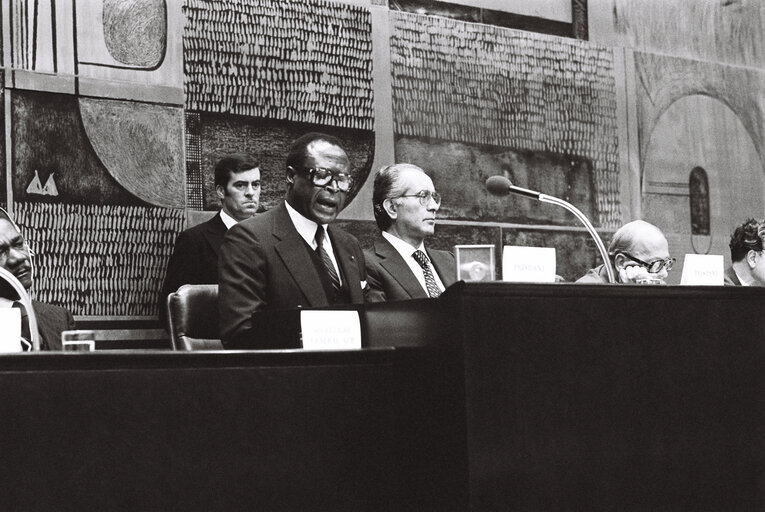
98	169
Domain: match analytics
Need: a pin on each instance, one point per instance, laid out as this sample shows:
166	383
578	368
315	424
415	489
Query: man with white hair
639	253
399	267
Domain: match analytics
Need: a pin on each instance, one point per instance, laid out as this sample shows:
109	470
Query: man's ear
751	259
290	175
619	260
220	191
390	208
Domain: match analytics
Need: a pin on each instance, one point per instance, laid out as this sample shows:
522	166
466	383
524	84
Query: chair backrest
192	313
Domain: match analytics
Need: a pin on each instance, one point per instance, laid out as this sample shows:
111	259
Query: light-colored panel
361	207
629	149
557	10
701	131
724	31
96	62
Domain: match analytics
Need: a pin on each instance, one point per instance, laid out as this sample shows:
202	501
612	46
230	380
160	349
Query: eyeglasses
321	177
424	196
655	266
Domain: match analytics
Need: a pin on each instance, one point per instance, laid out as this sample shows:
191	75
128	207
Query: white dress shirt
406	251
227	219
306	228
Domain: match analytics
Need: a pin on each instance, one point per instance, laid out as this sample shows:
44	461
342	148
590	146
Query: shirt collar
227	219
742	281
305	227
404	248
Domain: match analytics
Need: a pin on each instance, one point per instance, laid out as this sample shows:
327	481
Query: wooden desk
349	431
500	397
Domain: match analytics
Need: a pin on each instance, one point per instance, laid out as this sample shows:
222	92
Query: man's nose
332	185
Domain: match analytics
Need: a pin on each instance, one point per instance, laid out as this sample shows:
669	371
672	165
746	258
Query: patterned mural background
148	94
487	85
274	70
99	260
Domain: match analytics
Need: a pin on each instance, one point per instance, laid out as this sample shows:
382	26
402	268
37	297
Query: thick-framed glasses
655	266
321	177
424	196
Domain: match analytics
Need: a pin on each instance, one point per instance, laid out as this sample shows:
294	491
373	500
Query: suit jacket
194	259
390	278
731	279
264	265
51	320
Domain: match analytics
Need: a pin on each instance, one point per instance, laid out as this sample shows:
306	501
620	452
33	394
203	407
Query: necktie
326	259
430	281
26	337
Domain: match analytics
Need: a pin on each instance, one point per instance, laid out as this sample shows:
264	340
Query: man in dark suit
291	256
195	257
15	258
399	267
747	253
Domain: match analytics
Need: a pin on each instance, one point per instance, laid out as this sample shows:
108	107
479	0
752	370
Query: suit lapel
291	250
47	332
348	265
445	266
395	265
214	232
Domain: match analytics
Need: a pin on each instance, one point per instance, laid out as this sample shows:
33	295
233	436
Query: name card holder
330	330
703	270
10	330
522	264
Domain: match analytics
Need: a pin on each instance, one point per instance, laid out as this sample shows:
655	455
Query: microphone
501	186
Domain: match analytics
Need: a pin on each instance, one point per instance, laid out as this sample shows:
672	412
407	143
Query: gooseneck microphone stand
501	186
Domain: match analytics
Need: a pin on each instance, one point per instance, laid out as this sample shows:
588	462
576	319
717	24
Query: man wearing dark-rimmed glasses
291	256
639	253
399	266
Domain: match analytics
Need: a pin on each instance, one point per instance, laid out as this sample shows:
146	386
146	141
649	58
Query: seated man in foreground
399	267
746	247
291	256
15	258
639	253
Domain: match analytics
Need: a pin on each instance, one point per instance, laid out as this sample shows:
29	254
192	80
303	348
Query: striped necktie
328	265
430	281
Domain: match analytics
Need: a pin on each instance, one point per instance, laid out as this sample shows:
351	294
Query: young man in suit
292	256
15	258
195	257
399	267
747	248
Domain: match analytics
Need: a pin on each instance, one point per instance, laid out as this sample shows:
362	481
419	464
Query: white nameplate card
10	330
522	264
330	330
703	270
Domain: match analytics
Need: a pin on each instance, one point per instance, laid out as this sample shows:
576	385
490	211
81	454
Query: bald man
639	253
